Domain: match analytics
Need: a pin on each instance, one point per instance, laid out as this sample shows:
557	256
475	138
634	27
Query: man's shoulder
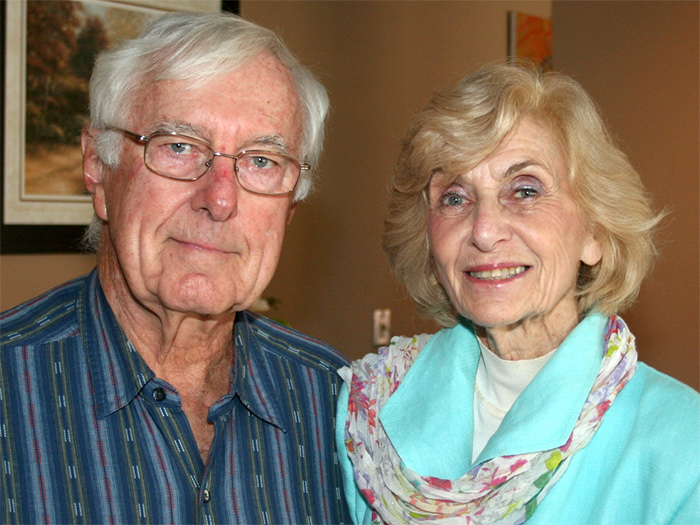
288	343
46	318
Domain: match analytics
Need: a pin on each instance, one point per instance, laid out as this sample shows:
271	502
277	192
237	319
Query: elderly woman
517	224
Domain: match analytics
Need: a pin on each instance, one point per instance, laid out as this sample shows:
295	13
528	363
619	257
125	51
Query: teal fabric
642	466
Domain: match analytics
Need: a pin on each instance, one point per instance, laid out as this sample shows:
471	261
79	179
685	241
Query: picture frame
38	214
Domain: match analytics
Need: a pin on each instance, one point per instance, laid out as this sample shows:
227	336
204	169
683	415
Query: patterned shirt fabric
88	434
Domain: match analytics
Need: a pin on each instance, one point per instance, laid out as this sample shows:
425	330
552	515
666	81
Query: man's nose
218	190
490	225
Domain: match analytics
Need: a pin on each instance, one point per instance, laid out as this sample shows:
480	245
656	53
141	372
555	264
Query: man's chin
205	294
199	305
201	311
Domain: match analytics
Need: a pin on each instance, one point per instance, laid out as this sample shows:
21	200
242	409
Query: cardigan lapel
430	419
544	415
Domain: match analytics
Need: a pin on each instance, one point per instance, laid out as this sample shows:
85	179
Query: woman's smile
506	236
497	274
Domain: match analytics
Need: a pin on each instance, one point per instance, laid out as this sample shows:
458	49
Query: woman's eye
452	200
526	192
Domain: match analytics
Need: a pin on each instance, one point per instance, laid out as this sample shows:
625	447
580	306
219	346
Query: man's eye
180	148
261	162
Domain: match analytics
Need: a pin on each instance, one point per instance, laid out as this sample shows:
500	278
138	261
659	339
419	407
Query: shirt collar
253	381
117	371
544	415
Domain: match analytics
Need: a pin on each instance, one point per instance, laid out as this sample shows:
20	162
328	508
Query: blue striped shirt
89	435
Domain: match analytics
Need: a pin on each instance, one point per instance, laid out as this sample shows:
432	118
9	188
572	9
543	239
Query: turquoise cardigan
642	465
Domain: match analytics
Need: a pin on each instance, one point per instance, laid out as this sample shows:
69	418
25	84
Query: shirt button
206	496
159	394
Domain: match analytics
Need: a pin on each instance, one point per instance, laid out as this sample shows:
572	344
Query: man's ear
290	214
92	173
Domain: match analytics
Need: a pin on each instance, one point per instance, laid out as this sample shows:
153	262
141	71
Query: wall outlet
381	328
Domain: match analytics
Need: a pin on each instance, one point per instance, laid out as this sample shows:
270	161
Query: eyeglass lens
179	157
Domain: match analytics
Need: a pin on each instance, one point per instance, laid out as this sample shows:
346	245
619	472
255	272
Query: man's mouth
203	246
498	274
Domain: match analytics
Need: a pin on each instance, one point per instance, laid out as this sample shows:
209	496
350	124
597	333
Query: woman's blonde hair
460	127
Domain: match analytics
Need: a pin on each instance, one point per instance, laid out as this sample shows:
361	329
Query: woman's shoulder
404	347
401	345
658	389
393	359
658	424
664	409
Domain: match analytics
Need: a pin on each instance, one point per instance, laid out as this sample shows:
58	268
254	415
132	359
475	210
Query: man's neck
192	353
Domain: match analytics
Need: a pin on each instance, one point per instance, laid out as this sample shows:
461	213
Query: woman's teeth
500	273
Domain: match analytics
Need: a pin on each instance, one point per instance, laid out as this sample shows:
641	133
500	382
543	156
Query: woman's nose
490	225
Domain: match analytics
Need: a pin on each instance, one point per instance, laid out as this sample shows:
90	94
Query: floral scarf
504	490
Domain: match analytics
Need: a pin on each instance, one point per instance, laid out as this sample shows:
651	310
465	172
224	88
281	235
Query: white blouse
498	384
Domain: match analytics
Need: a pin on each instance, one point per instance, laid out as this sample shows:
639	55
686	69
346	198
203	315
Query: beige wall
25	276
641	63
380	62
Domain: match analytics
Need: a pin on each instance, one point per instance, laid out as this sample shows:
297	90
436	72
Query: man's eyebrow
180	127
275	141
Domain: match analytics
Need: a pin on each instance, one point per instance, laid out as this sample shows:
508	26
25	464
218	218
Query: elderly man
144	392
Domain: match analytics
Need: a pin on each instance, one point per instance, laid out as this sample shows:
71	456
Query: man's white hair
193	48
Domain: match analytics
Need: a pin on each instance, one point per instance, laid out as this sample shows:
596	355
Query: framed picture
530	37
49	48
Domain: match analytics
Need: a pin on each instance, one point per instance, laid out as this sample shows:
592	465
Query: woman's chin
491	316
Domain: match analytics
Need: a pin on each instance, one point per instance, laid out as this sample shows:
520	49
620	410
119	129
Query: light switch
381	328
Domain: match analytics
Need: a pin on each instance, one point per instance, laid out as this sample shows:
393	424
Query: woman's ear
93	172
592	251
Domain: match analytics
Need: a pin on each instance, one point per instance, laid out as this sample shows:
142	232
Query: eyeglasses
186	158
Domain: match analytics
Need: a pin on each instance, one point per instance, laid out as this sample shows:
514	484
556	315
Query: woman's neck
527	339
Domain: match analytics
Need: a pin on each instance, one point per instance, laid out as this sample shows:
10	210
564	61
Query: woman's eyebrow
516	168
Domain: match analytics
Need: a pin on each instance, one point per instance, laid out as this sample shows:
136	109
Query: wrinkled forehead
263	74
259	95
195	69
455	159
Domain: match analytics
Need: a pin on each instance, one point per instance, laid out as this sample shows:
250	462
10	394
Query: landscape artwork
63	38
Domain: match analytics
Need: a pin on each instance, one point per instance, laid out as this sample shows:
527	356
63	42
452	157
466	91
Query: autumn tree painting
62	40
